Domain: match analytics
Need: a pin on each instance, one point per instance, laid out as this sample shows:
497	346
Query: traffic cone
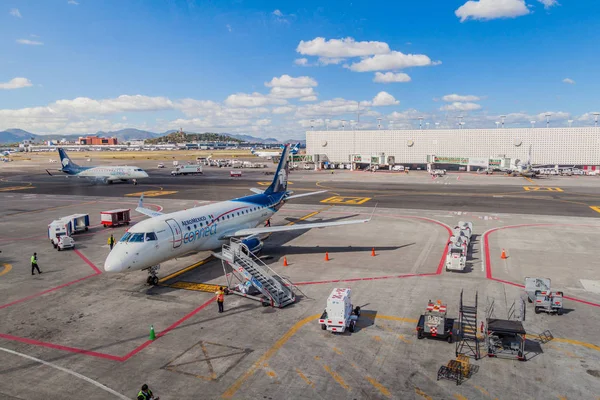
326	256
285	263
373	252
152	334
503	256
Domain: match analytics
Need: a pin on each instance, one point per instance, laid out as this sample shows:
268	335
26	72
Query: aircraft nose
113	262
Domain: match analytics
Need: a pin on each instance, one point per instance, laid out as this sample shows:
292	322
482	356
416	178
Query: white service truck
57	230
78	222
458	246
187	170
339	313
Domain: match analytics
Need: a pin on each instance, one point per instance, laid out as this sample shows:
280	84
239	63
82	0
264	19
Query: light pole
548	120
379	123
459	118
497	124
352	124
420	123
343	124
327	124
502	118
533	124
312	123
596	119
391	125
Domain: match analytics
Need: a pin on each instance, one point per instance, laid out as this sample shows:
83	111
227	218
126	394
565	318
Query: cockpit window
136	237
150	236
125	237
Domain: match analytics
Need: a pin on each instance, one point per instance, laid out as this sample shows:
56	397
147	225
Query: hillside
182	137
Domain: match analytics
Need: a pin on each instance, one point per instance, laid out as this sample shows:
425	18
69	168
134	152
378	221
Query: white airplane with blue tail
164	237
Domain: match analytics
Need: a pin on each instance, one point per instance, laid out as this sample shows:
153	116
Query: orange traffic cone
285	263
373	252
326	256
503	256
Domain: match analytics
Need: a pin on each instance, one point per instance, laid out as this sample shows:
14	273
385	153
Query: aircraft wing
304	194
286	228
146	211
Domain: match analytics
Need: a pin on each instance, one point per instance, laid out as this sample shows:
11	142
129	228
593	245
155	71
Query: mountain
252	139
129	134
182	137
15	136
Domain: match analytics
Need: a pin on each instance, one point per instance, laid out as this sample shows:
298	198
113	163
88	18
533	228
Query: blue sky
268	68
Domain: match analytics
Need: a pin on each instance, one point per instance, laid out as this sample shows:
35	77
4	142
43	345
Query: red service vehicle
115	217
234	174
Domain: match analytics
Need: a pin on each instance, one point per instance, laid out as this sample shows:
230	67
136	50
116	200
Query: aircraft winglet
146	211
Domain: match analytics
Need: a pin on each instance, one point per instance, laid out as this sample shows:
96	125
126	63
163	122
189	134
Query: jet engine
254	244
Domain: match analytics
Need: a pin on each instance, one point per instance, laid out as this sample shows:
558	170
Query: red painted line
488	257
365	279
88	262
60	347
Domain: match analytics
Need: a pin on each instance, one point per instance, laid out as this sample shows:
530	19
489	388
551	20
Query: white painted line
482	266
68	371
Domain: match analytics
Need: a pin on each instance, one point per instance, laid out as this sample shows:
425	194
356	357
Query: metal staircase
468	342
246	267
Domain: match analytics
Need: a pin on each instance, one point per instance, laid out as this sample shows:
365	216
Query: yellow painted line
459	397
422	394
271	373
388	329
562	398
199	287
595	208
12	188
542	189
567	352
186	269
482	390
312	214
387	317
530	180
382	389
151	193
232	390
6	269
346	200
377	338
570	341
337	351
305	379
336	377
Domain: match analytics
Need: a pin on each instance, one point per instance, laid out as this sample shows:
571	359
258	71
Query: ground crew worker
111	241
146	394
268	223
220	298
34	264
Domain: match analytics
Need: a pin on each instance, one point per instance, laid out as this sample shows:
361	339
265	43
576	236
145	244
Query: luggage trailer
506	339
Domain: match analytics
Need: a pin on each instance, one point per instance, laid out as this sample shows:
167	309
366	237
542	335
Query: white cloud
549	3
301	61
281	17
390	77
309	98
569	81
228	27
330	61
290	92
337	106
73	2
456	97
384	99
278	13
124	103
341	48
29	42
588	117
263	122
491	9
457	106
283	110
390	61
291	82
15	13
408	115
252	100
16	83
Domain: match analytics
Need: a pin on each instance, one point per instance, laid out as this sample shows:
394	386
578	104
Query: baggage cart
435	324
78	222
114	218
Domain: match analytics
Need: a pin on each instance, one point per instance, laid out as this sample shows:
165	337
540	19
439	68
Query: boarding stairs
276	290
468	342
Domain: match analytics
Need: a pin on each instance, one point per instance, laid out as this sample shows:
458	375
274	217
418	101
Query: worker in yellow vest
220	298
146	394
111	241
34	264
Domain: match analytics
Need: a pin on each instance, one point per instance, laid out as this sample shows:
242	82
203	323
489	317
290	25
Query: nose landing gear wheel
154	280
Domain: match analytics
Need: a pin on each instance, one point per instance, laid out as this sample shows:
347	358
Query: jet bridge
246	268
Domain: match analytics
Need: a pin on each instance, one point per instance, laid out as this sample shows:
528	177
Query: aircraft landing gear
134	181
152	275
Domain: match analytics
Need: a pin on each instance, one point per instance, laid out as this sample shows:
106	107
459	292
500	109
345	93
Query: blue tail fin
68	166
280	182
296	149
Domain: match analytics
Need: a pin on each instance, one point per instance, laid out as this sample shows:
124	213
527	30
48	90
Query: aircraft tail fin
68	166
280	180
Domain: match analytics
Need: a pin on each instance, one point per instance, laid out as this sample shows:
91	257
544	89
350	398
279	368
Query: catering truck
339	313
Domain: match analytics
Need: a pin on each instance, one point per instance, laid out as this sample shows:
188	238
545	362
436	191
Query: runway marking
595	208
151	193
12	188
422	394
530	180
382	389
199	287
6	269
68	371
459	397
186	269
542	189
346	200
337	377
305	379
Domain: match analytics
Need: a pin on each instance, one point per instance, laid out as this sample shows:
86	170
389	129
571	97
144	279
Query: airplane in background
163	237
271	154
526	169
105	174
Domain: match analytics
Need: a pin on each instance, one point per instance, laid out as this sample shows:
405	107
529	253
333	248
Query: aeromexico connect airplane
105	174
166	236
271	154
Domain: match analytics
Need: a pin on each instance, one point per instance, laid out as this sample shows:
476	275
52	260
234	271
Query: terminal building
465	147
95	141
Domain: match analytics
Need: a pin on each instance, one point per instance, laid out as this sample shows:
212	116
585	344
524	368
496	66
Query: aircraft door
177	232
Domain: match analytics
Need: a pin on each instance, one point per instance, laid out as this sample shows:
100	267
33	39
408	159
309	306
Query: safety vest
220	296
33	260
144	395
111	240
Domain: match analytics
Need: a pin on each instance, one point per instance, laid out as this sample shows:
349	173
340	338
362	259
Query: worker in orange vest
220	298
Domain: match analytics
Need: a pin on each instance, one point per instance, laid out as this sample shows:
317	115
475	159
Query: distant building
136	142
95	141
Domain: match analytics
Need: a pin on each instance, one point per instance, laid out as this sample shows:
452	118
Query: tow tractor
339	313
434	323
458	247
544	299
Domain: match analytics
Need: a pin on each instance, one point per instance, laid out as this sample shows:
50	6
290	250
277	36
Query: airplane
271	154
163	237
526	170
105	174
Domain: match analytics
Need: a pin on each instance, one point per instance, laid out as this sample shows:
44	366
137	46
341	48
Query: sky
276	69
